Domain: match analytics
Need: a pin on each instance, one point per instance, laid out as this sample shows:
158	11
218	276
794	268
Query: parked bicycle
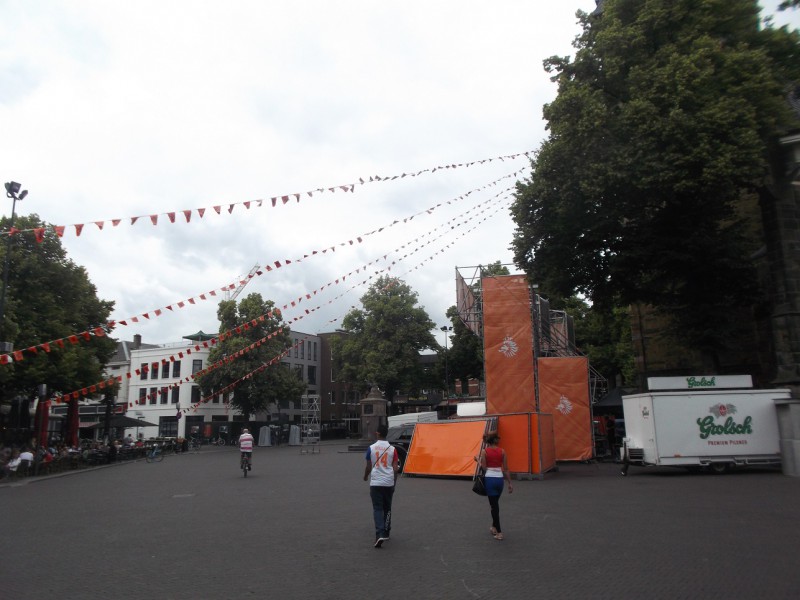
194	444
218	441
154	454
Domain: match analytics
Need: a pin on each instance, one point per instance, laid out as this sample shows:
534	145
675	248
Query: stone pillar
373	413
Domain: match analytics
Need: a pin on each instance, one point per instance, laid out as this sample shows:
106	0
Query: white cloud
113	110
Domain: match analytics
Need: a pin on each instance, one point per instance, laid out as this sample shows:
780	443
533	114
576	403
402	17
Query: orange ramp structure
448	448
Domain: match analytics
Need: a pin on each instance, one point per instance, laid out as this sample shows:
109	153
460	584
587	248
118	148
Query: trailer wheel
720	468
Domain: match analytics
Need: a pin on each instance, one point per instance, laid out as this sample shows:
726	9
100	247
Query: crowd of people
33	458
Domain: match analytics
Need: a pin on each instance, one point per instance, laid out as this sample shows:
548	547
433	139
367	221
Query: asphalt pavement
300	527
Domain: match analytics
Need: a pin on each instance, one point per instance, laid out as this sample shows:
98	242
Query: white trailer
715	428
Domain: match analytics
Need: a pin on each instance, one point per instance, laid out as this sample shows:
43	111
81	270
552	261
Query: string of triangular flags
18	355
332	321
238	329
173	216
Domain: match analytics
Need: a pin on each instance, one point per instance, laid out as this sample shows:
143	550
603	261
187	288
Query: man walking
381	471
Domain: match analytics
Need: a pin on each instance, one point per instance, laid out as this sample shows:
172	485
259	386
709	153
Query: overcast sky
112	110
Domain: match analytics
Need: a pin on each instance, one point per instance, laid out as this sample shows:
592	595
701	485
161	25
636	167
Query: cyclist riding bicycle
246	447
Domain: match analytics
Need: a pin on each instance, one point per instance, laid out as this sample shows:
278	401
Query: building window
153	395
164	370
296	349
195	394
143	370
163	395
215	398
154	371
299	370
368	409
333	397
315	351
176	393
197	365
312	375
168	426
142	395
176	368
302	349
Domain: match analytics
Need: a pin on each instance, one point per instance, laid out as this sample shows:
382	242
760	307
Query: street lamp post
446	329
13	192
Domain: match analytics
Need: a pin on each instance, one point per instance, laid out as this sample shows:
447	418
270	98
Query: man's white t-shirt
382	473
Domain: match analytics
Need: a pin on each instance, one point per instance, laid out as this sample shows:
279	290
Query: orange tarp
446	448
564	393
508	345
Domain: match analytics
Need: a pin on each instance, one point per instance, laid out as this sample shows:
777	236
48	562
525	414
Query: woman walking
493	461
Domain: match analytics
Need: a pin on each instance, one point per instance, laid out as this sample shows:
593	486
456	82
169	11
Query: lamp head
13	190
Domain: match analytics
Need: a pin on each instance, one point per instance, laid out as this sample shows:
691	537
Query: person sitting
13	463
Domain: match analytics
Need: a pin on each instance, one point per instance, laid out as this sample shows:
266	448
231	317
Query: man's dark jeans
382	509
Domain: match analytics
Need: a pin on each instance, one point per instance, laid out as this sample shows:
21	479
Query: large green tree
385	339
244	353
662	125
49	298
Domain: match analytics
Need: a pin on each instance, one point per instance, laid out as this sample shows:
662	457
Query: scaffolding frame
553	330
309	424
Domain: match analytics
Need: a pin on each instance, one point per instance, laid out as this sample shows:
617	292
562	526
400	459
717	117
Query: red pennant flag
201	212
85	335
39	234
246	204
158	312
171	217
78	229
99	224
154	219
59	229
133	220
115	222
73	339
284	199
230	208
45	346
216	209
274	201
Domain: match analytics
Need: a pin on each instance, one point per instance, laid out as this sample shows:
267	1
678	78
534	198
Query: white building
161	388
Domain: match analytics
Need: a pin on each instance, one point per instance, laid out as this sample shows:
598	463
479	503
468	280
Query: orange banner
564	393
508	345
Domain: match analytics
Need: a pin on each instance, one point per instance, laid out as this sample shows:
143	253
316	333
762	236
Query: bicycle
220	441
194	444
155	454
245	464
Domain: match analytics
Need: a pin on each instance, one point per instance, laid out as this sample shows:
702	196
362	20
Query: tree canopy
49	298
385	339
661	126
252	321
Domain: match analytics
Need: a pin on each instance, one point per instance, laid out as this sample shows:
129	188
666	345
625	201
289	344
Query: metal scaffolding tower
309	423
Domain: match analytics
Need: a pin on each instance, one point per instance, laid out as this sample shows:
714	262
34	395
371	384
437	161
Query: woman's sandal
492	530
498	536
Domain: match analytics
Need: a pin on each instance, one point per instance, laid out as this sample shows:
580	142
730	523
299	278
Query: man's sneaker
379	542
